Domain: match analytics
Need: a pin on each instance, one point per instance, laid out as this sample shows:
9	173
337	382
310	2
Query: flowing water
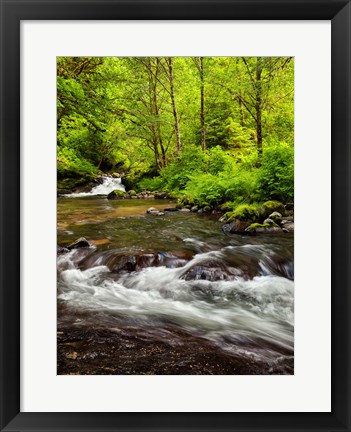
108	185
177	283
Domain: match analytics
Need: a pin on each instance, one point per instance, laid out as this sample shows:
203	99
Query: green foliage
276	177
218	160
205	189
70	164
116	115
178	173
152	184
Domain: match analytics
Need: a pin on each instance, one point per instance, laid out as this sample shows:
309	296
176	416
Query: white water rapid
241	316
108	185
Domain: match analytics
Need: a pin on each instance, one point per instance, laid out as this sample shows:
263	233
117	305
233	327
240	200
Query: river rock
210	274
117	194
185	210
276	217
270	207
61	250
268	230
236	227
288	225
80	243
154	211
194	209
161	195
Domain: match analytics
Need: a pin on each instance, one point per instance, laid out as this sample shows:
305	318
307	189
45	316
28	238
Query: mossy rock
116	194
263	228
207	209
276	217
132	193
270	207
243	212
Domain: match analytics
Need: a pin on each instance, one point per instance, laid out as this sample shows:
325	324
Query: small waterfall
108	185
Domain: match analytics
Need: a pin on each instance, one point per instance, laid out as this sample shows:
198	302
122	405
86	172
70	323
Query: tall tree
199	63
261	71
174	105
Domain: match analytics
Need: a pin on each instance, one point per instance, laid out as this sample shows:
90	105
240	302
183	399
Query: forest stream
171	294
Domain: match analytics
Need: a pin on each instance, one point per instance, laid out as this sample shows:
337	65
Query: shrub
206	190
276	175
151	184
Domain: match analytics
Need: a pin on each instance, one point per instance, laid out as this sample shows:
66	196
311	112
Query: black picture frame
12	12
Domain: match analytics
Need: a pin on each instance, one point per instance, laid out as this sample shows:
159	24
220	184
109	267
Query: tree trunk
202	104
258	108
174	107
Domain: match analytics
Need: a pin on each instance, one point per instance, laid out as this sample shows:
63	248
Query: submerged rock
154	211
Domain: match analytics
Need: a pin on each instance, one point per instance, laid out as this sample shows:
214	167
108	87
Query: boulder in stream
80	243
117	194
237	226
269	207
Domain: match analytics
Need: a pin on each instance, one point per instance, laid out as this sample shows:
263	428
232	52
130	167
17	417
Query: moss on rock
116	194
270	207
243	212
265	227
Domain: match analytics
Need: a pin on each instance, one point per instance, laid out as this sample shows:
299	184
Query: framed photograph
154	159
